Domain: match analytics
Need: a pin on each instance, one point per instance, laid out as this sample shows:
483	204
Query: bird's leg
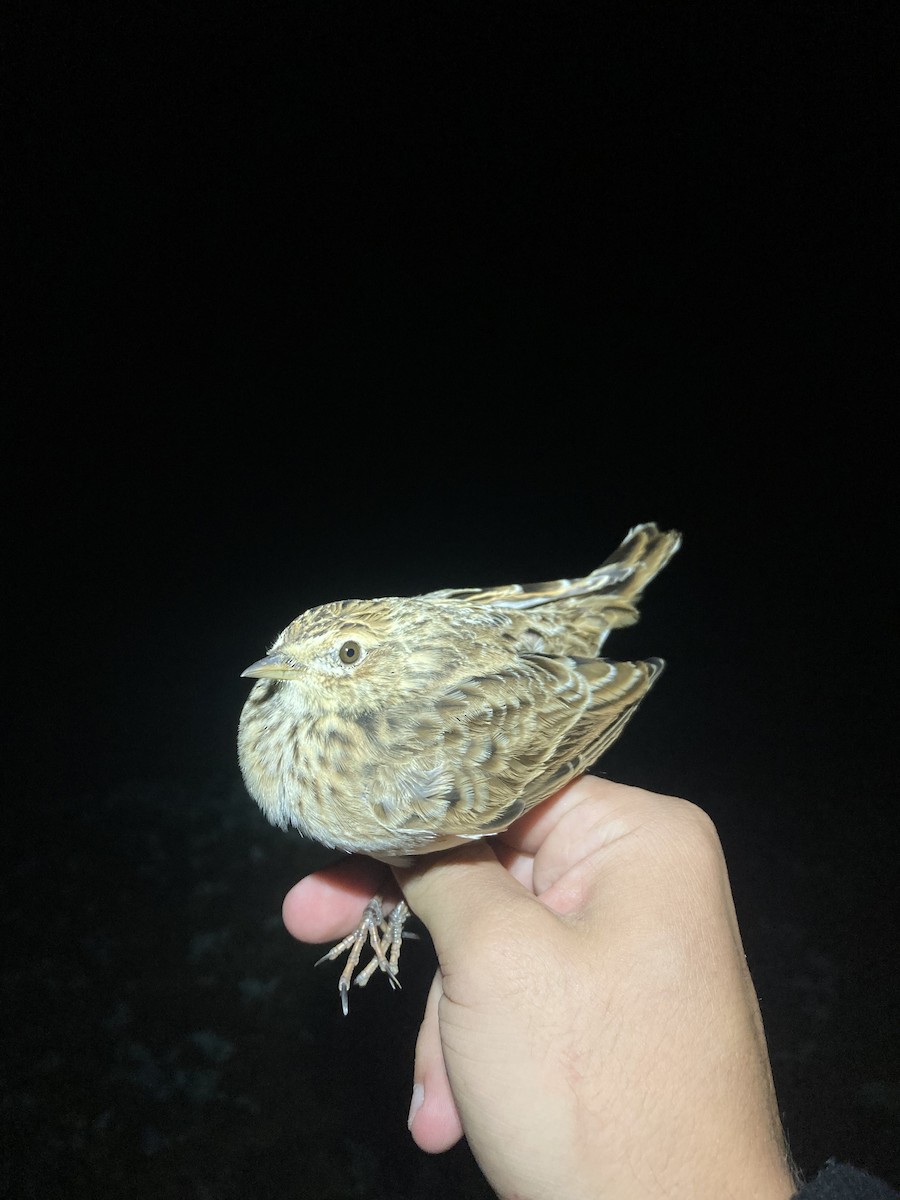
384	934
392	929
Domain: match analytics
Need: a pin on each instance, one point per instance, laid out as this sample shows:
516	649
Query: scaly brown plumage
405	725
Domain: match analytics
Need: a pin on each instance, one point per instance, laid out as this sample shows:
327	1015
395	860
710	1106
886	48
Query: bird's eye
350	652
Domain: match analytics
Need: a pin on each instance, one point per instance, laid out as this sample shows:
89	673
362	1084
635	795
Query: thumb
472	906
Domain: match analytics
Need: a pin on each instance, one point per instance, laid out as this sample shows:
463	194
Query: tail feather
621	578
639	559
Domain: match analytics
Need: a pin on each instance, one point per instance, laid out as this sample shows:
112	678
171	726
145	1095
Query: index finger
326	905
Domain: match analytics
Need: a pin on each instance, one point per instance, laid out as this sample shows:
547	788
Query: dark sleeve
839	1182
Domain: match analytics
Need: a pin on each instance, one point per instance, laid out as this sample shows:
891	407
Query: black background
324	300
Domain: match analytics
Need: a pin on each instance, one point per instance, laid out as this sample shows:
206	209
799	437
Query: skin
592	1028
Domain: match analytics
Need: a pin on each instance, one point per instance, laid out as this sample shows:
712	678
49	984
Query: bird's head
351	656
327	657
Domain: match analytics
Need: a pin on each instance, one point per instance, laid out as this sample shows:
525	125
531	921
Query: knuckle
696	831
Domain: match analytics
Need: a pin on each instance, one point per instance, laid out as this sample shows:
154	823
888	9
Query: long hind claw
384	935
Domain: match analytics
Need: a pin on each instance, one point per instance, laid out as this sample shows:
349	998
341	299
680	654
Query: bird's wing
494	746
617	689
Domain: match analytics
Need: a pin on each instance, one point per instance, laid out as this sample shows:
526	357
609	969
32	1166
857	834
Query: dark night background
322	300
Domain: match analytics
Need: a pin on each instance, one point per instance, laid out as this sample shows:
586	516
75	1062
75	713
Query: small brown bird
405	725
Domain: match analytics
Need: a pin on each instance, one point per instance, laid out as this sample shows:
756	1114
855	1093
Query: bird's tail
607	598
575	615
628	570
622	577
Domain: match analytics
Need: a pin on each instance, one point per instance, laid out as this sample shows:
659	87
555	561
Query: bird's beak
274	666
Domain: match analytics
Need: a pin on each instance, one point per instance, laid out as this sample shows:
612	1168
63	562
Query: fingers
550	852
606	798
474	908
585	840
433	1117
451	892
328	904
528	834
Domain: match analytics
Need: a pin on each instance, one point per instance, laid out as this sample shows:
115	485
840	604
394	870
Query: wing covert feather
501	733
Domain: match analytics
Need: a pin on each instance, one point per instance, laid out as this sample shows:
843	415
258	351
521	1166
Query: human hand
592	1028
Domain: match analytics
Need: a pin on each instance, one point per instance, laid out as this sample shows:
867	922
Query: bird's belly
336	786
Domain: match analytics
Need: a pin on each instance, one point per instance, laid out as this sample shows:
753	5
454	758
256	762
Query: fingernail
418	1099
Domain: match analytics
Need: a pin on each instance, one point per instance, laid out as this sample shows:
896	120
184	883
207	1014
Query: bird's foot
384	934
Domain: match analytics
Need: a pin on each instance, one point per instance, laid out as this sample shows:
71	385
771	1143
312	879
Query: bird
402	726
